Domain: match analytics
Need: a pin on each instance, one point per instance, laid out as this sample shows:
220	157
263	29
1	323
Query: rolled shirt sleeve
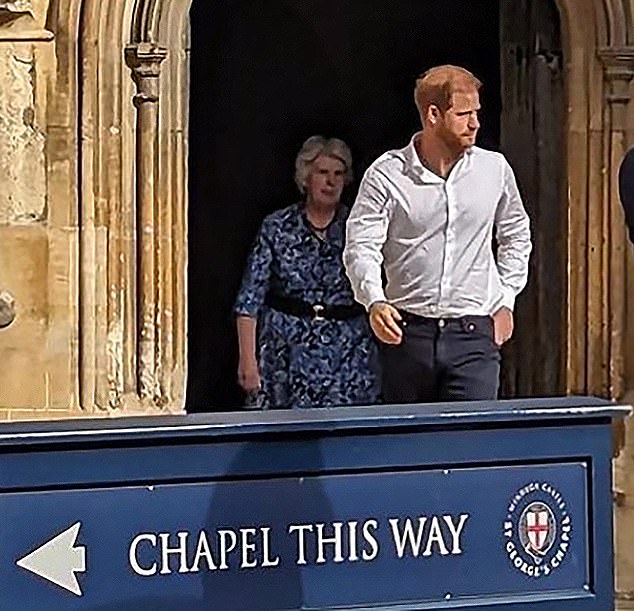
514	240
366	233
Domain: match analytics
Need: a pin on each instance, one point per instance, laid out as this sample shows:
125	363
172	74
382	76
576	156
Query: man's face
459	125
326	180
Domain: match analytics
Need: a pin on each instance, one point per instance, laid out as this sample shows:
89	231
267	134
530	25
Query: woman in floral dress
303	340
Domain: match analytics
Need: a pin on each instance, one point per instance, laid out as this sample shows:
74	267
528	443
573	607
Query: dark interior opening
265	75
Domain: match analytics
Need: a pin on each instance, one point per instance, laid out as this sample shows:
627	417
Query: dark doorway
265	75
532	137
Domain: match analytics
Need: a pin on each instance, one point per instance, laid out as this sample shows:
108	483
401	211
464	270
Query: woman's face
325	181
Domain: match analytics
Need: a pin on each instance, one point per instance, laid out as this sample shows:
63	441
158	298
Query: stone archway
132	138
131	201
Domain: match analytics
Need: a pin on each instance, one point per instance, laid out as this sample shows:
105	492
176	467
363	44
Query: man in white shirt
427	215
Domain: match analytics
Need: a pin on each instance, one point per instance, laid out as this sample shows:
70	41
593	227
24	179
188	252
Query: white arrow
58	560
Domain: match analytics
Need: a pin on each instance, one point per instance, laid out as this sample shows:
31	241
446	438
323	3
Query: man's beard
456	144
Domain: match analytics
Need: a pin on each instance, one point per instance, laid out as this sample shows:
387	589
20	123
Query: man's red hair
437	85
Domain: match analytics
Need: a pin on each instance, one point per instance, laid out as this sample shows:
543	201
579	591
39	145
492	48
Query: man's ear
433	114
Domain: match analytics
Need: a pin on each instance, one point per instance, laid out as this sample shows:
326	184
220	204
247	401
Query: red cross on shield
537	528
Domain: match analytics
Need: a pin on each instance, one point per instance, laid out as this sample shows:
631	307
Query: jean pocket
482	327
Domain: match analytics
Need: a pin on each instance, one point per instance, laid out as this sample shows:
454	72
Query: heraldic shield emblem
537	530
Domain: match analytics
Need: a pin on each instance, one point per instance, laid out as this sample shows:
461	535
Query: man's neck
435	155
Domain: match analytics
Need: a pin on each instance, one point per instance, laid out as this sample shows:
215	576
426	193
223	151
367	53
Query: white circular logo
537	530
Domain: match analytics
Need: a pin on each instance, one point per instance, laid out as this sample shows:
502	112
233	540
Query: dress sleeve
255	280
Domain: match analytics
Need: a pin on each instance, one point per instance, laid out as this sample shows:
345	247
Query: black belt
316	311
470	322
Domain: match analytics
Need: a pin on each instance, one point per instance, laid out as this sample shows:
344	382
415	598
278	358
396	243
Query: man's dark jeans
450	359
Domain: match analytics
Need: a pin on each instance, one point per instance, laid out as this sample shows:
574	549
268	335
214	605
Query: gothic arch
132	138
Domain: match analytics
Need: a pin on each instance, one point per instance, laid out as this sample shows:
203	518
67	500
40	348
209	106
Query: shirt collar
415	165
413	161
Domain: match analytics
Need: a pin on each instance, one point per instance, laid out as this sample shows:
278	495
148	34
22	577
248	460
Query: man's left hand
502	325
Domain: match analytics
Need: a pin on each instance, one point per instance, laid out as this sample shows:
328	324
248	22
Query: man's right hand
249	375
384	320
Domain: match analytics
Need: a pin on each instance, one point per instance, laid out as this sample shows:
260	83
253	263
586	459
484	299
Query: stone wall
36	254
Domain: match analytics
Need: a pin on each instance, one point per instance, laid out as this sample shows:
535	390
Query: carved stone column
618	64
145	61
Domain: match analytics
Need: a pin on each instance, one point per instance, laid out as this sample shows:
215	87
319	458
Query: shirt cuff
508	299
372	295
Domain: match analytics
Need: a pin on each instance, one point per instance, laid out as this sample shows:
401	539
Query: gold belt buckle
318	308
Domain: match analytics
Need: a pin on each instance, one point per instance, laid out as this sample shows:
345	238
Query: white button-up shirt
434	236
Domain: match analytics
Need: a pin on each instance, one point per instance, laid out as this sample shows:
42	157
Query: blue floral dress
305	362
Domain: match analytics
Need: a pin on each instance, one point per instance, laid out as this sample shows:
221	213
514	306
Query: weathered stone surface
22	161
23	273
15	6
15	15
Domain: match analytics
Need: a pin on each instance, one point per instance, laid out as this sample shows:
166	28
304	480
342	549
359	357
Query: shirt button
441	323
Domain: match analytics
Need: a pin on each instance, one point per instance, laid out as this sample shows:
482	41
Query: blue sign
329	541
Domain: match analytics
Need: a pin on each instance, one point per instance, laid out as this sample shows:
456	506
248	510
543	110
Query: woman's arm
248	370
250	299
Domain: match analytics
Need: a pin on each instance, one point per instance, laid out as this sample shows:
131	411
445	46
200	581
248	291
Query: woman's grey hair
317	146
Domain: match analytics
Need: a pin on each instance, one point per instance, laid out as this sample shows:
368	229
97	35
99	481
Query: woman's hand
249	375
384	320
